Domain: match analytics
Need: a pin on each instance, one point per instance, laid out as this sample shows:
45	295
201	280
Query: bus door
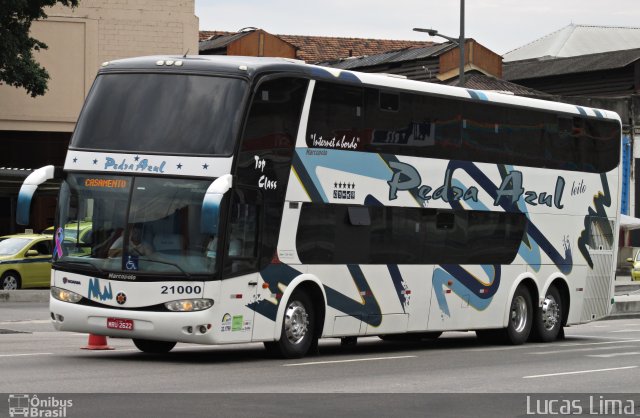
240	267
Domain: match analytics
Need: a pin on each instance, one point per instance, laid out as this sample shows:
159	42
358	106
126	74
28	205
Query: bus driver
137	246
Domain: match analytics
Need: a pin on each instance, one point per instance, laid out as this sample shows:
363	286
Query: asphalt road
598	357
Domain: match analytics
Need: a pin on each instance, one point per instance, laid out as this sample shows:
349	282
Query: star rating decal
205	166
345	185
179	166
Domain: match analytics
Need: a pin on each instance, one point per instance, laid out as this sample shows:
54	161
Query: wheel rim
550	312
519	313
296	322
10	283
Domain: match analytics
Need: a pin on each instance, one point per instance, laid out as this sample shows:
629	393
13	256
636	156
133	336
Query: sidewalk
627	298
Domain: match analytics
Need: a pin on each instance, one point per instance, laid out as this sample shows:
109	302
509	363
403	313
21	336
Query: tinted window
336	118
413	124
394	235
167	113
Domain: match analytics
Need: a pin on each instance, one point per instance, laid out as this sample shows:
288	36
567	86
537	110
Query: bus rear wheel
520	321
298	328
153	346
520	317
548	317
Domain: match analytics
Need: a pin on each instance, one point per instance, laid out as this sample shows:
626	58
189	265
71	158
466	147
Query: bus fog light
65	295
203	329
189	305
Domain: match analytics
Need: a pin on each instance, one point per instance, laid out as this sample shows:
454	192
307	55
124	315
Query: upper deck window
161	113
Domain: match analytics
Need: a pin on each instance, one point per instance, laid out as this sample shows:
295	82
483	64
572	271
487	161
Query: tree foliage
17	65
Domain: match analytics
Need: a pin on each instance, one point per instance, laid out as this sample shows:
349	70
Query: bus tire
153	346
520	317
298	328
548	317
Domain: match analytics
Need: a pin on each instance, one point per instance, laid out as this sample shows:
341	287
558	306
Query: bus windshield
139	225
161	113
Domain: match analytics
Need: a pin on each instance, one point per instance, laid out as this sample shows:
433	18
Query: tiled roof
314	49
534	68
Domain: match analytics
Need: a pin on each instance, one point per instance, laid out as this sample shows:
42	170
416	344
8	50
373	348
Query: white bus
237	199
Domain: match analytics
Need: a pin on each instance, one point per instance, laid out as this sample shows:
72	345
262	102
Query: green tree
17	66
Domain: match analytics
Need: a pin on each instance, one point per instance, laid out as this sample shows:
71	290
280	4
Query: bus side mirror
210	214
629	260
29	187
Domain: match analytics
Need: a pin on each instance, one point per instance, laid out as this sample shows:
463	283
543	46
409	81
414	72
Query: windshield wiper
68	262
169	264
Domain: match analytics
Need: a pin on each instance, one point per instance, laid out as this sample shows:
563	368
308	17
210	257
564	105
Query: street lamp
459	41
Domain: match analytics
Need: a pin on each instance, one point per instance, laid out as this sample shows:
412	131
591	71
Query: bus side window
241	251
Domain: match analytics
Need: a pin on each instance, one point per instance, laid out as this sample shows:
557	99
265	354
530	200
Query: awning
629	222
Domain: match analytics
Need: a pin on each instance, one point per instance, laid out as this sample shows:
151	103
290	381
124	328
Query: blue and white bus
236	199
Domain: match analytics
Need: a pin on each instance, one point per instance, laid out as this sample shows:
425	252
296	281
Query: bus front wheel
153	346
298	328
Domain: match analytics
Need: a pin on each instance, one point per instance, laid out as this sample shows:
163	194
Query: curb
24	295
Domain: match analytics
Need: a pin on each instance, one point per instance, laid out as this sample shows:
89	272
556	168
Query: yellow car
74	231
25	261
635	269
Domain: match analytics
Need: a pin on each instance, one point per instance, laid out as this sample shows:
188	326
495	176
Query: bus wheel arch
519	314
304	296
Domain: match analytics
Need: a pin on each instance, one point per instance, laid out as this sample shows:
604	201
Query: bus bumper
188	327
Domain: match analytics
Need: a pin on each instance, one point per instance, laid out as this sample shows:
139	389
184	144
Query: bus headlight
189	305
65	295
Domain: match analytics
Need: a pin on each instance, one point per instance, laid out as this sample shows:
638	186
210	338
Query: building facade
35	131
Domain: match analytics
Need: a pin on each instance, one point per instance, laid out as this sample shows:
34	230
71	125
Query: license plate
119	323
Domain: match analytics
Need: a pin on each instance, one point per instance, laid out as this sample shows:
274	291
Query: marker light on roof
169	62
243	67
160	62
178	64
104	64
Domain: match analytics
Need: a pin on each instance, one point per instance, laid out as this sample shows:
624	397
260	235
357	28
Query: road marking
25	354
348	361
579	372
617	341
577	350
628	353
601	337
626	330
26	321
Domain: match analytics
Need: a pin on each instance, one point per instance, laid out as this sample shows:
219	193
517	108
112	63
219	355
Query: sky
500	25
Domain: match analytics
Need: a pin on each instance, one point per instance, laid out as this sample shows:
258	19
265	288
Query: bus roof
251	67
